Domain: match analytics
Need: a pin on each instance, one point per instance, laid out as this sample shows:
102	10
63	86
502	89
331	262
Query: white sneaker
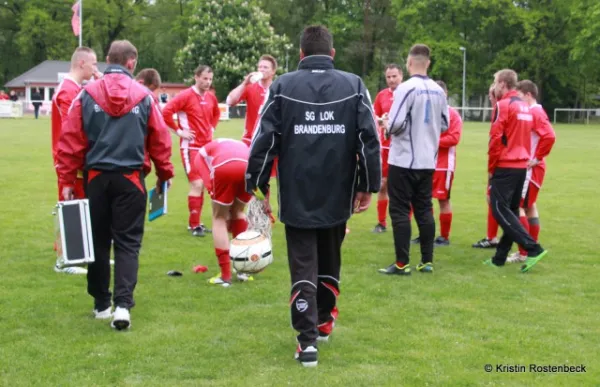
70	269
516	257
217	280
244	277
121	319
103	314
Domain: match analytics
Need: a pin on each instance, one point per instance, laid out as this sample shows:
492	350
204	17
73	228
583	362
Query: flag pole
80	23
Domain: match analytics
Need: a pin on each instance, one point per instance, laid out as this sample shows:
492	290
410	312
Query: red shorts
191	170
78	192
532	186
384	162
442	184
229	183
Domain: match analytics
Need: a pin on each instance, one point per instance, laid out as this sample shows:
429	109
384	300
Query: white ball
250	252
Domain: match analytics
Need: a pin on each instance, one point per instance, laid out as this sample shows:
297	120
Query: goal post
576	115
475	114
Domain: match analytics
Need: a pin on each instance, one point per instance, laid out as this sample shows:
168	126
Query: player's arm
216	114
496	136
159	144
451	137
368	146
547	135
400	110
445	115
239	93
72	145
265	144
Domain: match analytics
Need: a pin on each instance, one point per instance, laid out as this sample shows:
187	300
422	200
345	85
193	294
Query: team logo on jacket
301	305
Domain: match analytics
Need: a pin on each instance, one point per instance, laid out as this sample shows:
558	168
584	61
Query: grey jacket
417	118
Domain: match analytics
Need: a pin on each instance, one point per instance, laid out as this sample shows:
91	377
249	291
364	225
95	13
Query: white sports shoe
70	269
244	277
217	280
516	257
121	319
103	314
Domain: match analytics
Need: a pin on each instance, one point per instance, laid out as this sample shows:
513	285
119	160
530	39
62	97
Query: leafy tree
230	43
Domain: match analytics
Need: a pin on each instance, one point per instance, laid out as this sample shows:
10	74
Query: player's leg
534	222
98	275
329	250
423	209
442	184
491	239
195	194
303	263
128	196
400	191
220	213
537	179
382	196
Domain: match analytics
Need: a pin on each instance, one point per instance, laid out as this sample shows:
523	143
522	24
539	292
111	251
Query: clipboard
157	203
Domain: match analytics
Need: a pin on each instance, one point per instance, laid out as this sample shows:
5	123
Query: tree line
556	43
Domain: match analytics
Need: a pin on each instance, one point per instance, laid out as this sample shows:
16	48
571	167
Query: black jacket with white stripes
319	122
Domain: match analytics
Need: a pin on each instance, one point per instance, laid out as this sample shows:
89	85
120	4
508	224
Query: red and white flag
75	19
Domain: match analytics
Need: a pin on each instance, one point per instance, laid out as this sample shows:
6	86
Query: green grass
438	329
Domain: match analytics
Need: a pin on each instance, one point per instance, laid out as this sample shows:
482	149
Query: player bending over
542	141
222	165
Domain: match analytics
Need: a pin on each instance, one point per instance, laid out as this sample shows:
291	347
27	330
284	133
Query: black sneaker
379	228
198	232
395	269
307	356
486	244
441	241
206	229
416	241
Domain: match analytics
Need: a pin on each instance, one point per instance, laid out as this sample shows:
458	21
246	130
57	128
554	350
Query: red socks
225	264
492	225
525	222
534	228
238	226
445	224
195	207
382	206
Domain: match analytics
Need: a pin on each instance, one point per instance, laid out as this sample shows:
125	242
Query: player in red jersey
491	239
198	114
222	164
381	106
253	91
543	138
444	171
83	68
509	156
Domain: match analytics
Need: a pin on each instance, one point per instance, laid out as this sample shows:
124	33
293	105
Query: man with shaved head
83	68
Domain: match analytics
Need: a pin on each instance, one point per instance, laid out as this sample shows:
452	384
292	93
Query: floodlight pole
464	82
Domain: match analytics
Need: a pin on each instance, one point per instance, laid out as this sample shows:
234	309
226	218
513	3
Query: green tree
230	36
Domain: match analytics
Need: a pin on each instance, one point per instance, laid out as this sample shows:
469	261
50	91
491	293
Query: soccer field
439	329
